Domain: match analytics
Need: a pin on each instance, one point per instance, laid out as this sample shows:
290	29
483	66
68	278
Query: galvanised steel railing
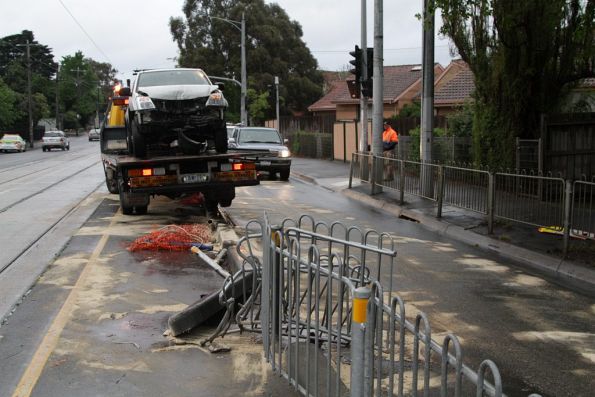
583	210
563	207
320	305
533	200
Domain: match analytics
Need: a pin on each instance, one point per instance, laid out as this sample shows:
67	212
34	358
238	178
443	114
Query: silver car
93	134
264	139
55	140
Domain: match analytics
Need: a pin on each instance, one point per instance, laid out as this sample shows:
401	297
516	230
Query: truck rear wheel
141	209
112	185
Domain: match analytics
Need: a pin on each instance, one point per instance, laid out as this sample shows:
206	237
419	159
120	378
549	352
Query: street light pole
277	104
241	26
243	113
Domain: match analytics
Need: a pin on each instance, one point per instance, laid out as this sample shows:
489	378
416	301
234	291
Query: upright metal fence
583	210
563	207
534	200
331	323
467	188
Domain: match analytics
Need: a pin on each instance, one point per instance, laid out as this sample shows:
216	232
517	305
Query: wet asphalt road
541	336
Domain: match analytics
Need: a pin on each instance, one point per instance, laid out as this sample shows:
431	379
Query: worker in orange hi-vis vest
390	140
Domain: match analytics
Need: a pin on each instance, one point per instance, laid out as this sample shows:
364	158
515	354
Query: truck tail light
147	171
243	166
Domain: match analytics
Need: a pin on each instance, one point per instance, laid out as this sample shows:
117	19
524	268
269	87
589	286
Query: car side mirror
125	91
220	85
285	140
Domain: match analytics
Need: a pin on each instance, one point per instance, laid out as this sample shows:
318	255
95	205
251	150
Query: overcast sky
135	33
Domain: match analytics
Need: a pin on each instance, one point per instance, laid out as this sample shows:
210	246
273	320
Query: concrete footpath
539	253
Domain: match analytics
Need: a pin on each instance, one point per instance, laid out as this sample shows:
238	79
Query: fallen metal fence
319	300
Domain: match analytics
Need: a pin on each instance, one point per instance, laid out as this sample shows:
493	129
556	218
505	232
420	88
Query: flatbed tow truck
215	175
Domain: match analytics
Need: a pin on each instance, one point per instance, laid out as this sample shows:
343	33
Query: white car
55	140
12	143
176	108
94	134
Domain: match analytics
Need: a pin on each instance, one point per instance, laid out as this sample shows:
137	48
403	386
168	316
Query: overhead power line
85	32
386	49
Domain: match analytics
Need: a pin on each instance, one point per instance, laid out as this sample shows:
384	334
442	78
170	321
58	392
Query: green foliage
274	47
258	106
8	109
524	55
460	123
411	110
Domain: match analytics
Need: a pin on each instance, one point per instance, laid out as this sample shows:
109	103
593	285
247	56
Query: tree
79	79
524	55
8	109
274	47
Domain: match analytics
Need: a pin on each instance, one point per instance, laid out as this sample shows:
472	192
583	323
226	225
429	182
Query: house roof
458	86
396	80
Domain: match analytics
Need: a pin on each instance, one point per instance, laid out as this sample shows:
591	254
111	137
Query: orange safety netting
172	238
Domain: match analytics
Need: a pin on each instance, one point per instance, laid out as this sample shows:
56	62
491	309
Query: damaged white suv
176	108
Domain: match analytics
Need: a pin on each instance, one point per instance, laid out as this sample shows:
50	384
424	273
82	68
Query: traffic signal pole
363	101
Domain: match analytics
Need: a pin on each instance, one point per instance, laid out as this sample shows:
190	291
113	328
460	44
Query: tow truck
170	173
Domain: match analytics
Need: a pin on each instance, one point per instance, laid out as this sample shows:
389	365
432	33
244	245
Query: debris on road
173	238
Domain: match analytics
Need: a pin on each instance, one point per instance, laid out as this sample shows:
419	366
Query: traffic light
367	86
357	62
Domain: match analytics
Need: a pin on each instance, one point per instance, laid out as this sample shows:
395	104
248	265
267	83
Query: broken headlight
216	99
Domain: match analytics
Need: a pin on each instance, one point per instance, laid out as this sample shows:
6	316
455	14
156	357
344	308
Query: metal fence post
276	290
440	191
402	181
491	198
351	169
361	297
567	215
373	176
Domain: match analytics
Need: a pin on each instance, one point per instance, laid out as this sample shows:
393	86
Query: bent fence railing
560	206
331	327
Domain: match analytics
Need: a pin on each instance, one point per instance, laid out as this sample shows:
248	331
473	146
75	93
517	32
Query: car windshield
11	138
52	134
259	136
172	77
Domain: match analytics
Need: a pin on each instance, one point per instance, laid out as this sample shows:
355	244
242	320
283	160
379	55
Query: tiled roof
396	80
326	102
458	89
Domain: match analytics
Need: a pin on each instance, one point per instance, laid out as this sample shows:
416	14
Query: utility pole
78	91
29	96
427	109
377	101
58	98
363	102
277	104
427	98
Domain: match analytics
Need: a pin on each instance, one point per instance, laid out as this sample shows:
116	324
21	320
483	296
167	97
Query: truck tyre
112	185
126	209
221	141
139	145
141	209
284	175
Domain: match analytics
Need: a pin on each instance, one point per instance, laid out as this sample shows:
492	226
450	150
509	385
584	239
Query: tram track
51	227
33	172
23	199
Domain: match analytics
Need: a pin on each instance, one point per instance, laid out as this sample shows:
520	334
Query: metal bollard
361	297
